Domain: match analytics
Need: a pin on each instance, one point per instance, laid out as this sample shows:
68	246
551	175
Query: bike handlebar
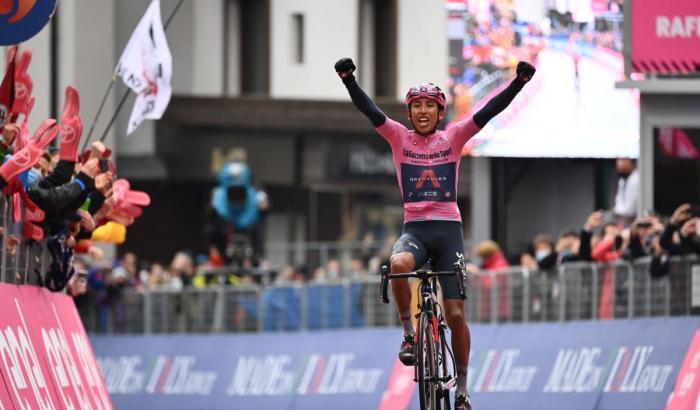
422	275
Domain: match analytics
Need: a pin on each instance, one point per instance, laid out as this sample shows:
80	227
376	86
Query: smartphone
104	165
609	217
644	224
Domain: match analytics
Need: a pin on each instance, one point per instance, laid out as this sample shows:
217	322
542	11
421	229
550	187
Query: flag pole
99	111
126	93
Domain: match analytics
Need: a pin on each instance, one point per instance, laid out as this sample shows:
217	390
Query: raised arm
345	68
466	129
497	104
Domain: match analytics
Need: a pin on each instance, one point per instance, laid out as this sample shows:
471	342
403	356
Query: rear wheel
427	364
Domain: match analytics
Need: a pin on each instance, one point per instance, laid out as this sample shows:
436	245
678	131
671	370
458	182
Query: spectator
100	282
491	255
493	259
182	268
609	248
157	277
658	267
357	269
642	234
568	247
627	196
77	284
333	271
77	288
320	275
175	282
680	237
301	274
286	276
593	221
545	255
126	273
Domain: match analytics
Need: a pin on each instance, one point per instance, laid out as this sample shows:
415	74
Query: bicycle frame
431	306
430	309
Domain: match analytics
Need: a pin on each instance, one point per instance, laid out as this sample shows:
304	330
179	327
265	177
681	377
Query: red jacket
605	251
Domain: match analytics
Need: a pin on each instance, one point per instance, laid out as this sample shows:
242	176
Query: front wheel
427	363
443	369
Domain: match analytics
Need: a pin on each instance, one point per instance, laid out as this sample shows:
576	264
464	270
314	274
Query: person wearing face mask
568	247
540	254
627	196
545	255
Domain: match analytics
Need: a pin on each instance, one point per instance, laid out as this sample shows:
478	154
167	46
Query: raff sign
665	36
20	20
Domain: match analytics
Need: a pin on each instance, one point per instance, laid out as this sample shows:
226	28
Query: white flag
146	67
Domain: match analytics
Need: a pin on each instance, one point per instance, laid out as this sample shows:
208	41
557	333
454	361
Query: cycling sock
462	381
406	322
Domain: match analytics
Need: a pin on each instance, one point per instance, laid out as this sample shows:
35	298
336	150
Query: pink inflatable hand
23	83
71	126
23	138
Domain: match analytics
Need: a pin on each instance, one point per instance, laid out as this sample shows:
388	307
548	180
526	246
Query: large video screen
571	107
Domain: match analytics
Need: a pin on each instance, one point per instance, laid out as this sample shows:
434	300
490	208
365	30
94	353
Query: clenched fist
345	68
525	71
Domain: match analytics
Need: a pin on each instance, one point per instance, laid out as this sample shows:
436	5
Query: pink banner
47	362
685	394
81	350
23	365
665	36
399	393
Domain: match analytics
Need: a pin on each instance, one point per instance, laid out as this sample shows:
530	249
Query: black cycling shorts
442	242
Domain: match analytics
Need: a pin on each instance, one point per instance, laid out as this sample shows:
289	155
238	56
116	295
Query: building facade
256	75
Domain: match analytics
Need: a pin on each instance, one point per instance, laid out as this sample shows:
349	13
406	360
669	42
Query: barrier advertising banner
46	361
582	365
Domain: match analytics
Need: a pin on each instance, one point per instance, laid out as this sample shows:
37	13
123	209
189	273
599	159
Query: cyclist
427	166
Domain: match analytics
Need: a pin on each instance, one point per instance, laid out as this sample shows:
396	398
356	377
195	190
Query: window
248	47
378	46
385	49
298	37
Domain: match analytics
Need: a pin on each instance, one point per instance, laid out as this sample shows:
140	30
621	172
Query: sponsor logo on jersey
433	155
429	183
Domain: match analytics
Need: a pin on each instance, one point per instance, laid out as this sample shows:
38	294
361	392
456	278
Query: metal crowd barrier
21	261
314	253
249	308
574	291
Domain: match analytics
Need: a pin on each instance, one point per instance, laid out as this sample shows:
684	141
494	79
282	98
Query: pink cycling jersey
427	168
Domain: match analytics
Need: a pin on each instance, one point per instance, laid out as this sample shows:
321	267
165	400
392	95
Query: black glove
525	71
345	67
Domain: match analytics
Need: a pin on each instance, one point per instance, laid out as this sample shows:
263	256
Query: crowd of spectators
54	193
599	239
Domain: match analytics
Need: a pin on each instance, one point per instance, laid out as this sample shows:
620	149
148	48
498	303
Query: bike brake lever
385	284
459	271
